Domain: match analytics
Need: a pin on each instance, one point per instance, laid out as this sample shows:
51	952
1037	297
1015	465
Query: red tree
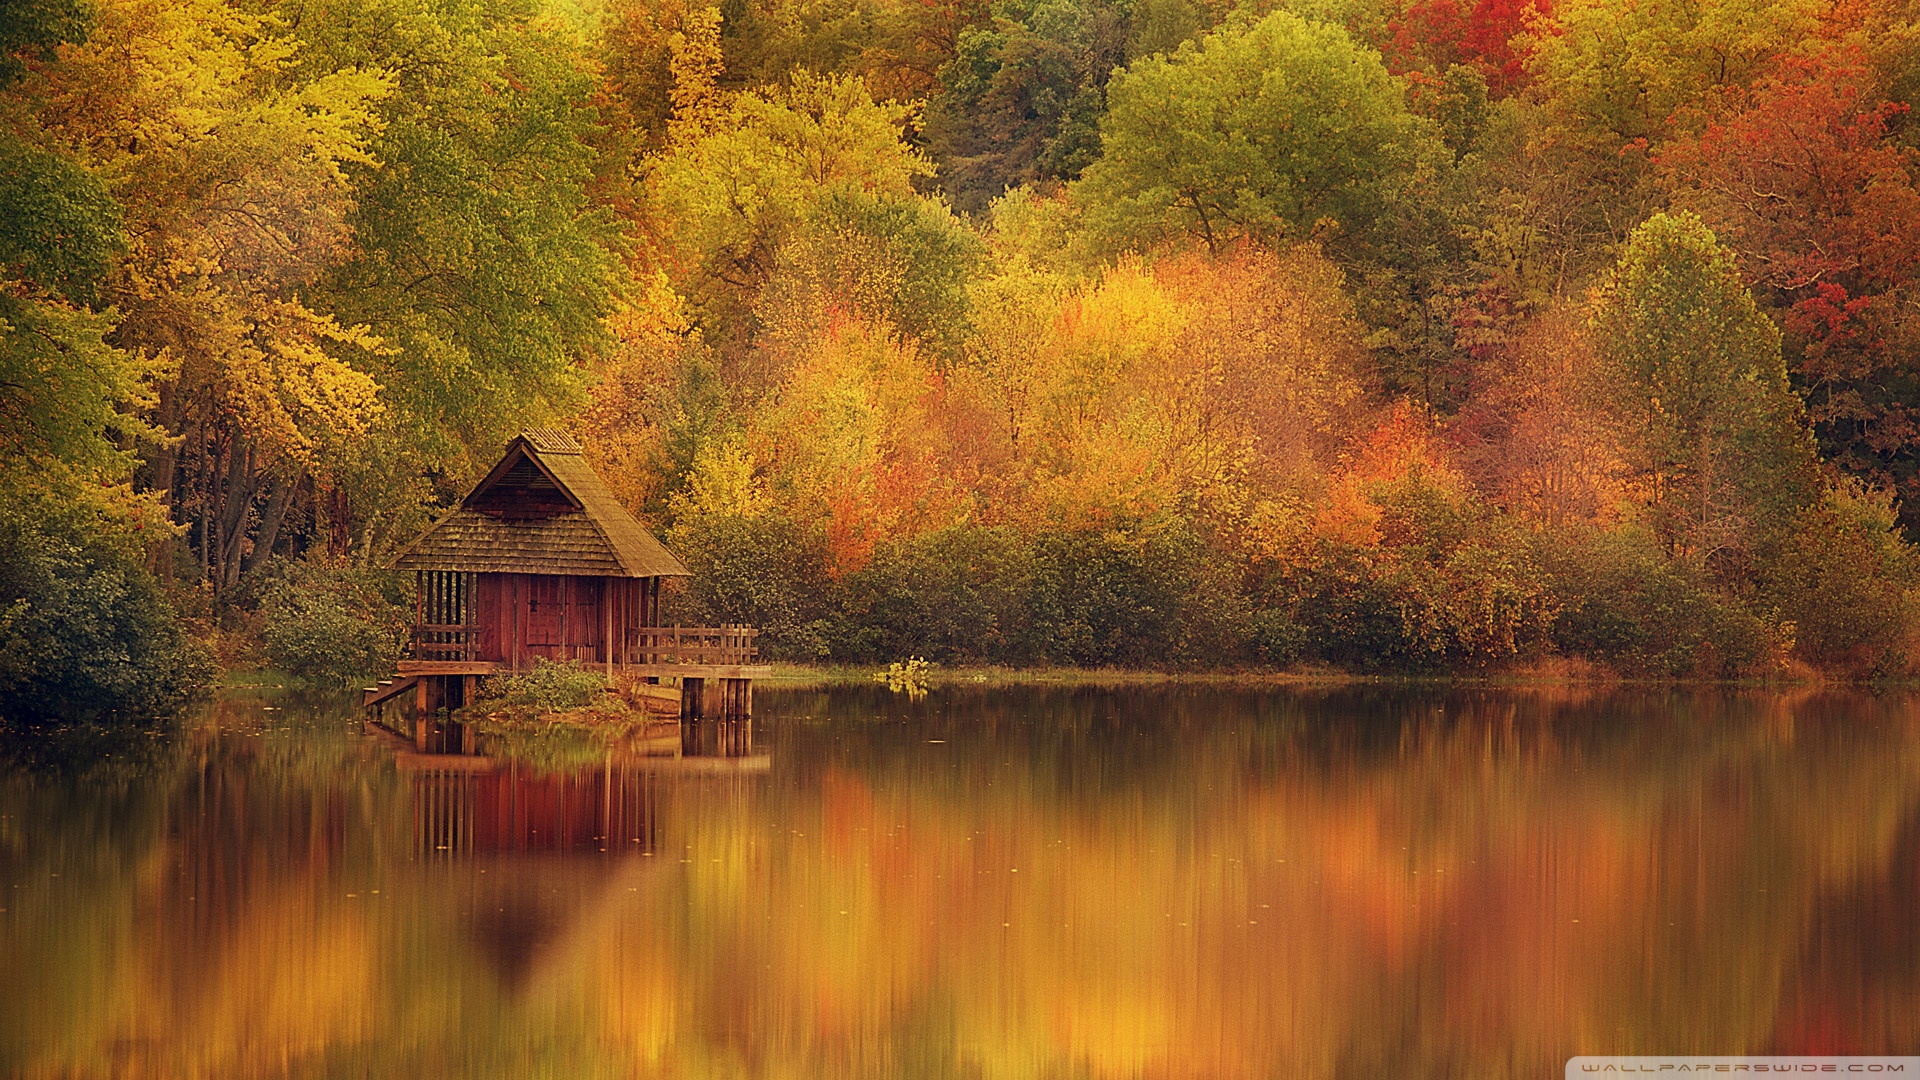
1800	175
1431	35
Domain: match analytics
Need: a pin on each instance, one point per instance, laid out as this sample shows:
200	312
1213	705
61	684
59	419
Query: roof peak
548	440
554	515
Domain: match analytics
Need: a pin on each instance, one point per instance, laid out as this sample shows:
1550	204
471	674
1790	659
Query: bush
332	623
548	687
1349	611
1627	604
1106	597
1846	582
84	628
1276	637
958	594
1439	581
556	716
764	572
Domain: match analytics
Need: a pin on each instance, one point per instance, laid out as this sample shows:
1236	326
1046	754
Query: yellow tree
730	199
232	179
852	442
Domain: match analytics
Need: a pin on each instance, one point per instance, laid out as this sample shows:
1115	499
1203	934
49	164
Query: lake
1159	882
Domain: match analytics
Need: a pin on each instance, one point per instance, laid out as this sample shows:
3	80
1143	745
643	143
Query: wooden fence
719	645
692	645
445	641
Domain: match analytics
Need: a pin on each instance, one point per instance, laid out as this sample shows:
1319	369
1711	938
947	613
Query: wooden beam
448	667
606	616
422	717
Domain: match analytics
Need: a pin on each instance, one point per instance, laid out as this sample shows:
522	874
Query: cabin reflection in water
465	805
511	810
716	738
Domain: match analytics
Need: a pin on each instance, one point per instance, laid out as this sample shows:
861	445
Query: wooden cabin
540	561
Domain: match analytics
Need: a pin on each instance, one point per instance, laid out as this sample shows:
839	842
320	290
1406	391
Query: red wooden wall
524	617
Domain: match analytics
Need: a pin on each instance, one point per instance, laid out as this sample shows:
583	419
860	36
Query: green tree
31	29
70	397
1022	98
480	262
1717	435
1278	130
905	260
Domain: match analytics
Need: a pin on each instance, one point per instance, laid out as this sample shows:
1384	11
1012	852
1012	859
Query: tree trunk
271	517
166	457
339	531
240	489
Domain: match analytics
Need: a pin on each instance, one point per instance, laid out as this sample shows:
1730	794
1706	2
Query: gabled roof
542	510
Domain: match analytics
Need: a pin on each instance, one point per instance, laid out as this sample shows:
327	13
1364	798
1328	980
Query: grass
1550	672
807	676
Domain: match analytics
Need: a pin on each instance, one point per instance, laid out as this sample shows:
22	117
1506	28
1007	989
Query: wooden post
606	618
422	715
469	611
515	647
566	629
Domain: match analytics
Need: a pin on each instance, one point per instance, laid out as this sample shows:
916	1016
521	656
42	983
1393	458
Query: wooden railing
445	641
692	645
644	645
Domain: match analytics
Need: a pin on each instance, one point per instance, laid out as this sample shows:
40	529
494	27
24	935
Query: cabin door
546	615
563	618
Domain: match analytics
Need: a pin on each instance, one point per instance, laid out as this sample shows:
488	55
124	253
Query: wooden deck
707	670
456	649
638	671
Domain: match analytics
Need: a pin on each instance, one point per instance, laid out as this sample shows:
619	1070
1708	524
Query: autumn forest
1403	336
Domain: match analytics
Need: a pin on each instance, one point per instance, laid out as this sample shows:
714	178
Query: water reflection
460	809
716	738
1104	883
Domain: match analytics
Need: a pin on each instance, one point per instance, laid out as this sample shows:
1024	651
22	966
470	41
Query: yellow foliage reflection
1191	884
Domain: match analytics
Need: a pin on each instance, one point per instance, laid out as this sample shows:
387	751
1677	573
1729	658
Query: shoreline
798	676
787	676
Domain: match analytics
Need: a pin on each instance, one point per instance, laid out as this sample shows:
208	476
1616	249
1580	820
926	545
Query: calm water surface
1016	883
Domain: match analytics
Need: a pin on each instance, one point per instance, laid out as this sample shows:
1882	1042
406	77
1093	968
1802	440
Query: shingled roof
542	510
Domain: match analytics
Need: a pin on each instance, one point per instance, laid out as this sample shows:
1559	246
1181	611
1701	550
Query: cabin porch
482	623
471	625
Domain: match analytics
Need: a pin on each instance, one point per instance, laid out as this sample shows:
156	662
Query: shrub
1276	637
1846	582
84	628
1348	610
765	572
1628	604
1103	597
332	623
957	594
1433	579
548	687
555	716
